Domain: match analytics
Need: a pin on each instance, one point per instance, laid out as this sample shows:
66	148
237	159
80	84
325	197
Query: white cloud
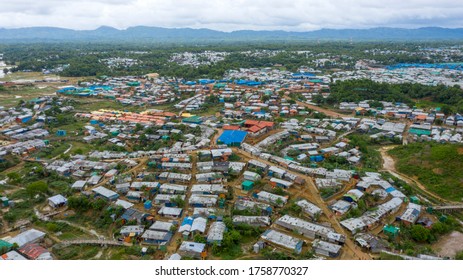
228	15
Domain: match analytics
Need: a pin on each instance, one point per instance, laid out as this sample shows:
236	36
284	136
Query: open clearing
449	245
11	97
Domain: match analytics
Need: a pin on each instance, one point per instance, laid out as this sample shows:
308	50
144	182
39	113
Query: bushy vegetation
8	162
363	89
84	59
234	237
437	166
39	187
371	158
416	239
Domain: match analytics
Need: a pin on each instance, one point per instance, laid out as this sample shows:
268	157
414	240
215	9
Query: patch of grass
126	253
55	149
68	253
11	96
210	110
26	76
437	166
90	253
8	162
87	104
76	252
231	254
68	232
80	147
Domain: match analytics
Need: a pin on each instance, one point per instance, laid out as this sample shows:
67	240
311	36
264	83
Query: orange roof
251	122
169	114
421	117
231	127
255	128
266	124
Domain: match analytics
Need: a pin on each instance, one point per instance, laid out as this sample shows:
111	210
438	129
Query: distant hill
159	34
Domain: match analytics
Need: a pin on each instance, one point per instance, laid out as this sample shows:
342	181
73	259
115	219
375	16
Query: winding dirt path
323	110
389	166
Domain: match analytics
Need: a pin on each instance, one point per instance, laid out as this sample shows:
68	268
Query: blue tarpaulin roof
206	81
248	83
454	66
303	75
187	221
230	137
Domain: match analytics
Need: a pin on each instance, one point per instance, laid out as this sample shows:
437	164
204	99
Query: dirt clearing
449	245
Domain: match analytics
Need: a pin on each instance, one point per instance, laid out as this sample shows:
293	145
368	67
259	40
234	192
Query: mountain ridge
107	33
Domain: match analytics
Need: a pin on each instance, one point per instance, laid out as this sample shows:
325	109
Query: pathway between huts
323	110
314	196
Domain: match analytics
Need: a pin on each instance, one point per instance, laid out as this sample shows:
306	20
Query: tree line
408	93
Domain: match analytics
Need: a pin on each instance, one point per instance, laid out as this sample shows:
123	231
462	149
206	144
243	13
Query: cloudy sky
228	15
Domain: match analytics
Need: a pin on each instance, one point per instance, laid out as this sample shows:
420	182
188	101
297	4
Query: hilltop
105	33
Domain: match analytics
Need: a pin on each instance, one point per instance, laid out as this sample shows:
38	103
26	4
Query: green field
437	166
25	76
11	96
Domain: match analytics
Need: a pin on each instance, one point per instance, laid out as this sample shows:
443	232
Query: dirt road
135	169
323	110
310	192
215	137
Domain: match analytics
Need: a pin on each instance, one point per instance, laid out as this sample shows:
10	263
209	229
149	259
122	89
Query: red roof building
231	127
34	252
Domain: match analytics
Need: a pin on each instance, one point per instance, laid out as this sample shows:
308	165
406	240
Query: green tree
447	110
52	227
79	203
14	177
420	233
10	217
138	127
199	238
98	204
178	201
39	187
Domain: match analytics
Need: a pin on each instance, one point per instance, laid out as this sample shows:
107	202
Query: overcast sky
229	15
